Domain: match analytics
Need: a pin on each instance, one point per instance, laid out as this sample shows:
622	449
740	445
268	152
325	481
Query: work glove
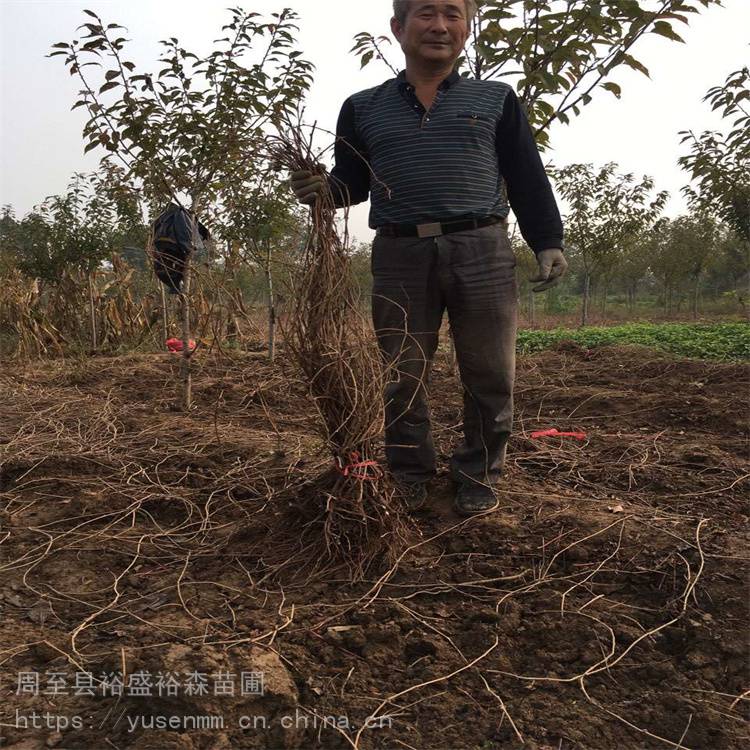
552	267
306	186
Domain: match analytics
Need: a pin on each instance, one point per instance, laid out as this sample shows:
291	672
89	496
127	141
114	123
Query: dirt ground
143	604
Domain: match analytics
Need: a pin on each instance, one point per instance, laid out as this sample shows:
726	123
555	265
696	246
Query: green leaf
665	29
631	62
497	14
613	87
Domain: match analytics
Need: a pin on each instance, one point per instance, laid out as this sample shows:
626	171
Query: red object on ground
360	469
175	345
554	432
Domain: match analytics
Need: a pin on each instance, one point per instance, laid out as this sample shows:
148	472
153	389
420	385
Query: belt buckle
429	230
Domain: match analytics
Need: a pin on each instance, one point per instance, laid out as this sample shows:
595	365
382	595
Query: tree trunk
185	374
271	307
164	316
92	313
185	362
696	288
237	309
605	289
532	308
586	299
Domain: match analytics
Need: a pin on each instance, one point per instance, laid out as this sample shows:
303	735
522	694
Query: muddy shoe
413	494
474	498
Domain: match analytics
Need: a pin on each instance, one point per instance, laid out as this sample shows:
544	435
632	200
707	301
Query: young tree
637	253
526	267
692	246
606	208
181	133
360	254
664	266
730	269
10	236
719	163
69	231
559	51
260	217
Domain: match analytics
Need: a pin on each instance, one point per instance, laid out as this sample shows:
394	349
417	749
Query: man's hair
401	10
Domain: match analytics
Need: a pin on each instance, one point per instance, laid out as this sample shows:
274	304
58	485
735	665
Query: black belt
437	228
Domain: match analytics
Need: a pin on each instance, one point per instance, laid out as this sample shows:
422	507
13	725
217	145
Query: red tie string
554	432
362	470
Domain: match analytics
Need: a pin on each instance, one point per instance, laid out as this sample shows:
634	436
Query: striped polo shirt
444	164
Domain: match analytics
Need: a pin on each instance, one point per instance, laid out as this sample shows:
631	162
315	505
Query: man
430	148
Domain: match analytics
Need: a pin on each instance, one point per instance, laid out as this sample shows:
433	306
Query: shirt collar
444	84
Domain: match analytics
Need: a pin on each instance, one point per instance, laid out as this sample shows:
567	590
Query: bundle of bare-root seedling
351	507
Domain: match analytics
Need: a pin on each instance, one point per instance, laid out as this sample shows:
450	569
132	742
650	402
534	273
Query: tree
10	237
730	269
719	164
692	243
683	251
526	267
635	262
360	254
664	265
64	231
606	209
72	231
182	133
560	51
719	167
261	218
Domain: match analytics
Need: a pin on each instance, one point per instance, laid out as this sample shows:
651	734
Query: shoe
414	494
474	498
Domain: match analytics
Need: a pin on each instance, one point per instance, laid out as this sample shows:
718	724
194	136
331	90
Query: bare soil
604	605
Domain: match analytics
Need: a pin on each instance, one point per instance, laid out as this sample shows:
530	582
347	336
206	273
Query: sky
40	137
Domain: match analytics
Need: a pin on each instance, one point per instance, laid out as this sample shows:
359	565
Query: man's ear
396	29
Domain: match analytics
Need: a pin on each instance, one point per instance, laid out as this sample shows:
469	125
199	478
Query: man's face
435	31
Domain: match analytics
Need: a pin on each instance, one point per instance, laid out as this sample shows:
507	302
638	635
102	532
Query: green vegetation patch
730	341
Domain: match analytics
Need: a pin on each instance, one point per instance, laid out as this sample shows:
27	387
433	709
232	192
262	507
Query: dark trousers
470	274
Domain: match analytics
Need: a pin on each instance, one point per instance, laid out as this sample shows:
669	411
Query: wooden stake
92	313
271	306
164	316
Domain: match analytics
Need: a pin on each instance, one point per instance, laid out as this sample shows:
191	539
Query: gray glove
306	186
552	267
